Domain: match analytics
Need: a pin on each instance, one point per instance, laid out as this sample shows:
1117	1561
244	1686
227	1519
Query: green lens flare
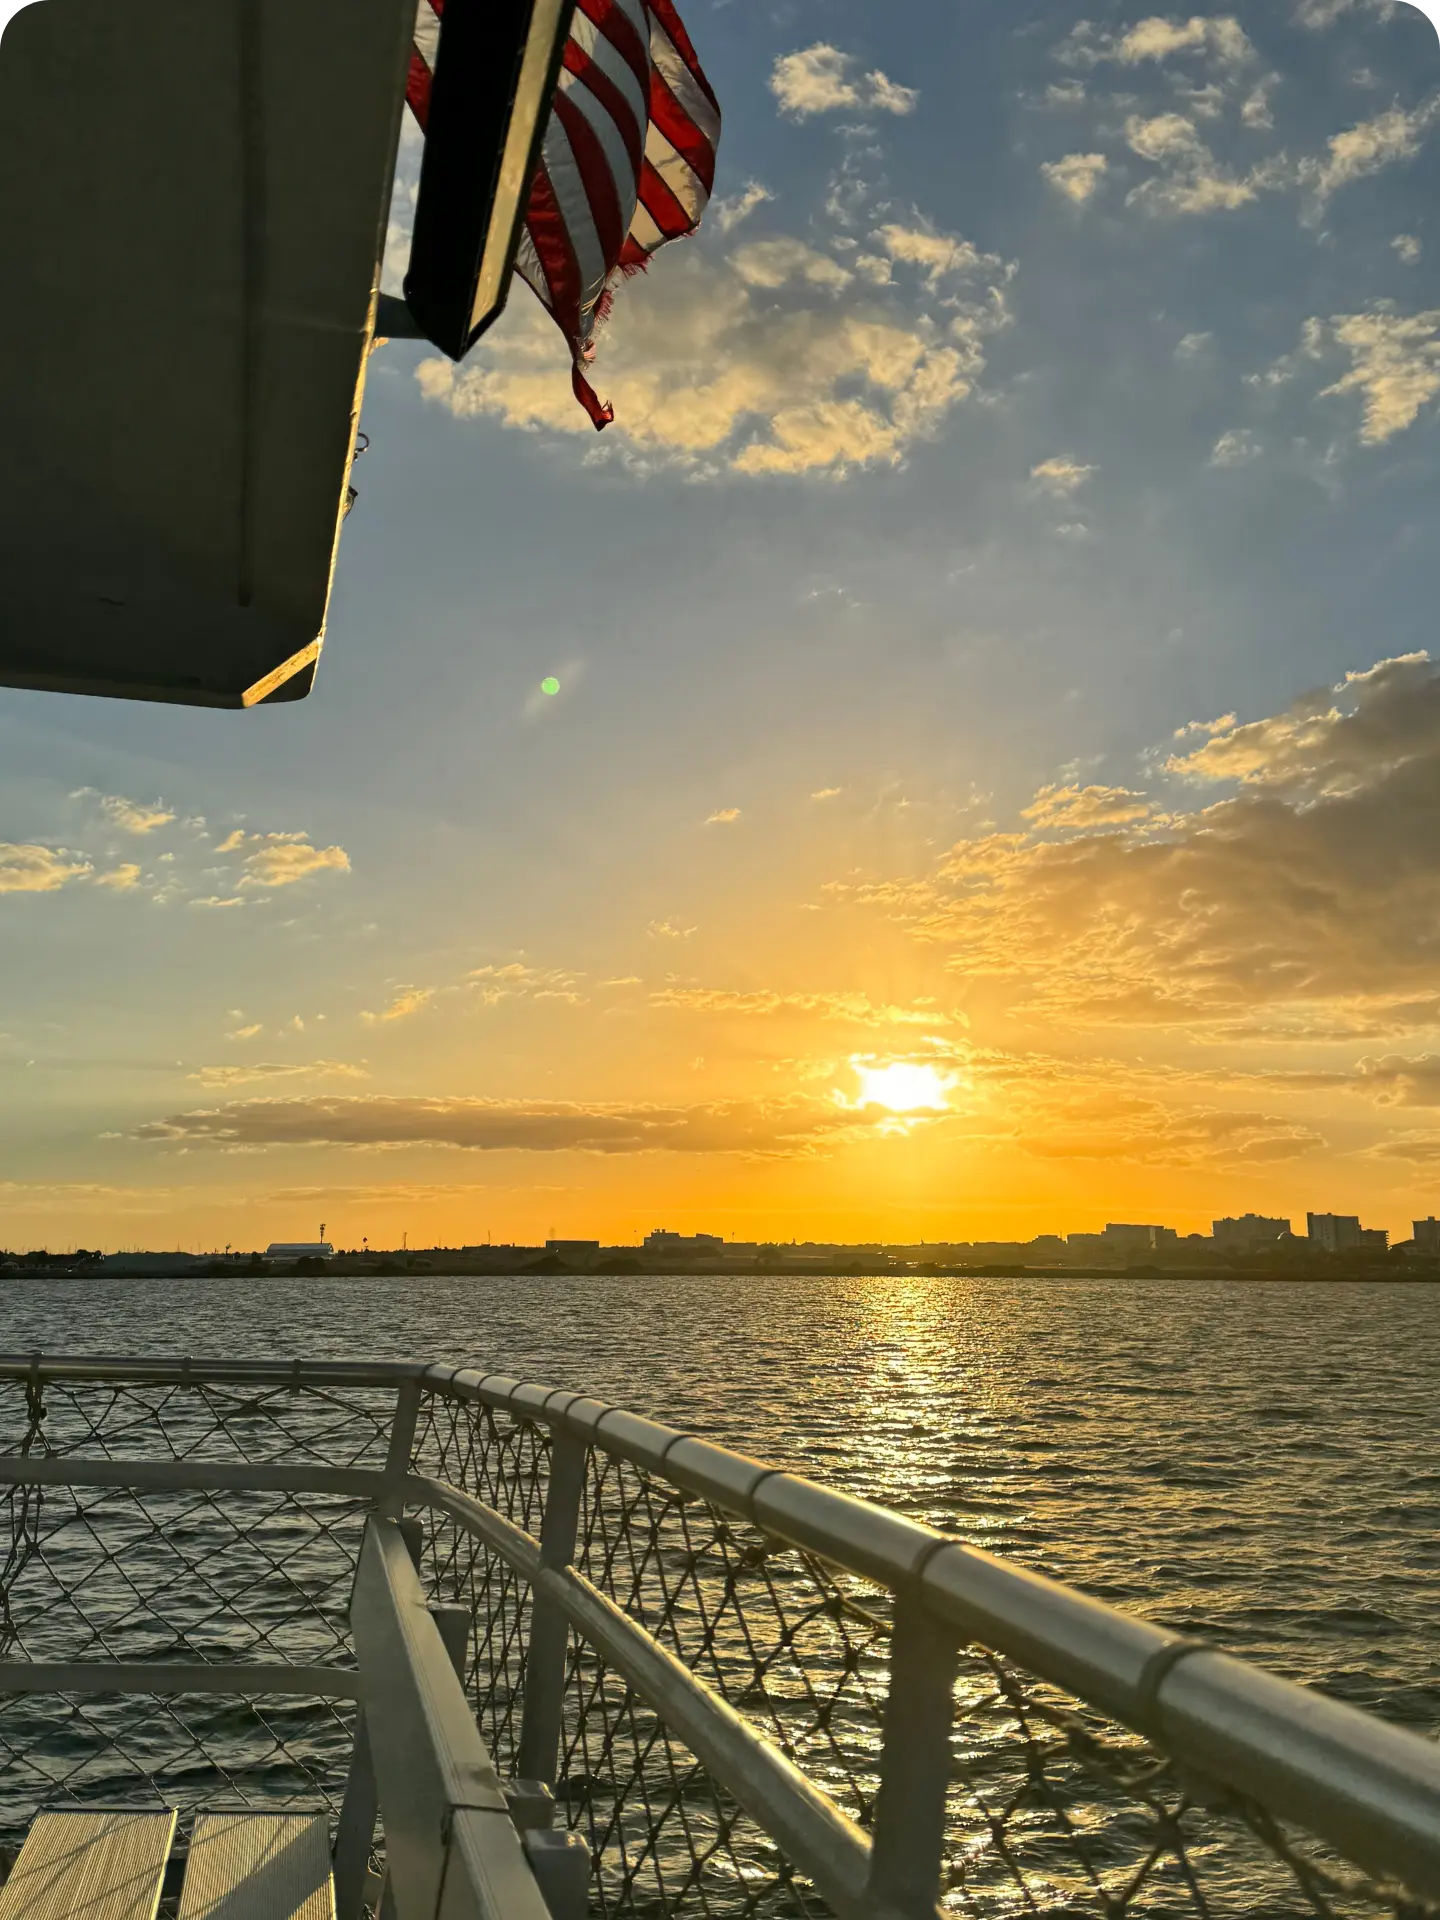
549	684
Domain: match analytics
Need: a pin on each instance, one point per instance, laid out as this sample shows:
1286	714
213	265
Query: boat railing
747	1693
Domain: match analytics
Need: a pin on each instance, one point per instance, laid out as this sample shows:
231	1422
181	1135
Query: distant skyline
960	753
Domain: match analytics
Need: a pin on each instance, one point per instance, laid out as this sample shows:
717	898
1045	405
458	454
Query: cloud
64	1196
827	793
131	816
1333	743
1236	447
1407	247
1394	364
32	869
119	879
407	1001
772	263
239	1076
1396	1081
519	981
1395	367
1325	12
1367	148
936	254
1120	1127
851	1009
789	1127
723	817
1077	175
1219	38
727	214
1418	1149
1255	107
216	900
715	375
822	79
668	930
1312	890
244	1033
1082	809
282	859
1060	477
1190	180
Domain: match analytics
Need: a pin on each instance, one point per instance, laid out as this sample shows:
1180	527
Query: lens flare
903	1086
550	684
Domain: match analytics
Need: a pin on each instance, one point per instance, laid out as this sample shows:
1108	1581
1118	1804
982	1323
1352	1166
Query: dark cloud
499	1126
1317	883
1398	1082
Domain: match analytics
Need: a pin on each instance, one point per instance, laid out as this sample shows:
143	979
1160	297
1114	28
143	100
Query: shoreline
540	1272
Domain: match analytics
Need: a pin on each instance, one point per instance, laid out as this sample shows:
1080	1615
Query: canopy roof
195	195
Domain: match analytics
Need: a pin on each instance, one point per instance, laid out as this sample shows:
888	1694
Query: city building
1333	1232
662	1240
1427	1236
575	1253
1250	1233
1343	1233
1121	1236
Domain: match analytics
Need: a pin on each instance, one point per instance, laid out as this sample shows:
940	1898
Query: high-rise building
1250	1233
1427	1236
1343	1233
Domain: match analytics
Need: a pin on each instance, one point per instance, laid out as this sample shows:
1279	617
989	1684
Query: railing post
355	1829
453	1625
390	1503
910	1810
542	1716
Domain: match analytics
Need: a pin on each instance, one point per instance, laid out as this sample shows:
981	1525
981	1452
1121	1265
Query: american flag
628	160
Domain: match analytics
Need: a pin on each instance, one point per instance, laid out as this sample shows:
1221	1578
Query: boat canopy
195	195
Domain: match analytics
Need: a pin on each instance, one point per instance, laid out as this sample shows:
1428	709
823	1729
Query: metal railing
750	1694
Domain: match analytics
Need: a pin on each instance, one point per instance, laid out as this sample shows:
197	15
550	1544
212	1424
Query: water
1258	1464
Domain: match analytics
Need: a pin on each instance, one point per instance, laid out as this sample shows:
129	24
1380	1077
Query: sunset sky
992	638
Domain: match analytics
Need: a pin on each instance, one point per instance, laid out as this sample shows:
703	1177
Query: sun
904	1086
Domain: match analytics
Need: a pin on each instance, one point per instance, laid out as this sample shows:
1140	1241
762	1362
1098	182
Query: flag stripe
644	232
551	237
567	188
679	176
597	180
589	44
632	44
427	32
690	99
417	90
681	132
662	206
663	14
610	114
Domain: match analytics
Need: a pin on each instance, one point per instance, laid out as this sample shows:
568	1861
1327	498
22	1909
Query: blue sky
1036	389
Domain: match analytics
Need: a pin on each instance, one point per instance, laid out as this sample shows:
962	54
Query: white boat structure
323	1639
